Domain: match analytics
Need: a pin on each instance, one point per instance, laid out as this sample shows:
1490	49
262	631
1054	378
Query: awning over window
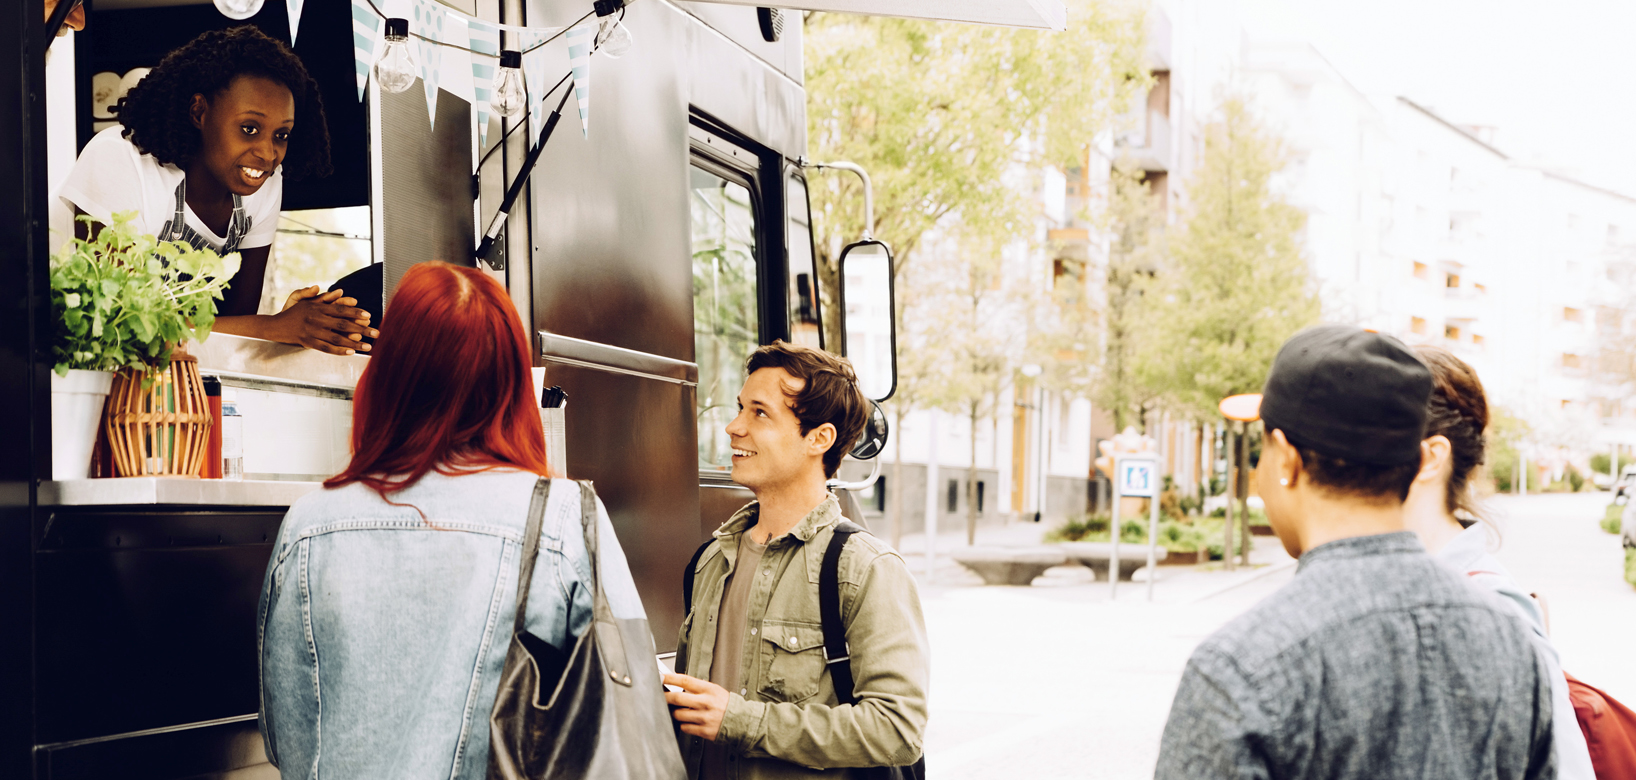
1039	14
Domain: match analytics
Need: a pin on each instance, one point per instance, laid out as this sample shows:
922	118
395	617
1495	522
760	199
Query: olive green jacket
786	721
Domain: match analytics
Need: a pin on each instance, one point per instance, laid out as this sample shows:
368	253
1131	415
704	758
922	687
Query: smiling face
769	450
246	131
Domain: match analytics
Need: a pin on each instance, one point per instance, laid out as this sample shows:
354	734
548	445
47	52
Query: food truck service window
726	321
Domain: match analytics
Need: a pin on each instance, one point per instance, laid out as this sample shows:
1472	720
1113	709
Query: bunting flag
366	33
485	40
293	9
580	41
534	79
428	23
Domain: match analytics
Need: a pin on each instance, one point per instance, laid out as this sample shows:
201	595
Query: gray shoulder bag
604	717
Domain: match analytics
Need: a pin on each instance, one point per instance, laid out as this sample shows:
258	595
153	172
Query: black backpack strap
687	600
836	654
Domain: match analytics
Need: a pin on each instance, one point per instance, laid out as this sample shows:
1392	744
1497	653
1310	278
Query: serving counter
146	587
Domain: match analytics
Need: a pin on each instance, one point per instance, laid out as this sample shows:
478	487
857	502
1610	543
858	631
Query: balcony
1148	146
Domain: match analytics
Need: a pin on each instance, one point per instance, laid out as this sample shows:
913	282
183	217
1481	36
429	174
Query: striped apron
176	228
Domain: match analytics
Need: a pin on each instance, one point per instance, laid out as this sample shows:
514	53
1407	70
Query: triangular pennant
485	40
580	41
366	33
428	25
293	9
534	79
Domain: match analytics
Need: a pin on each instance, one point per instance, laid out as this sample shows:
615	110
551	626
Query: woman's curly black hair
156	112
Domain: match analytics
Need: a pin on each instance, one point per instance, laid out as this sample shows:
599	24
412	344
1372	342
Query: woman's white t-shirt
112	175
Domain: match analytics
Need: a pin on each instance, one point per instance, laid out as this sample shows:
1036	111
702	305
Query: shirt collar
1396	543
824	515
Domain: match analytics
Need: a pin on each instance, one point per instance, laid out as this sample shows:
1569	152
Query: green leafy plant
1611	517
1630	565
124	299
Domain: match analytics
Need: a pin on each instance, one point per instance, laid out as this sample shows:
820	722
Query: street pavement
1058	680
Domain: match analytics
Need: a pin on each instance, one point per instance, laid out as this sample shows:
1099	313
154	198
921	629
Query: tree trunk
971	481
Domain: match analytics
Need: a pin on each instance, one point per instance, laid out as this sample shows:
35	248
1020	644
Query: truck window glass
726	326
315	246
804	323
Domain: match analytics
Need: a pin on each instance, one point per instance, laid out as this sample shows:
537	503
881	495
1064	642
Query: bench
1008	565
1097	554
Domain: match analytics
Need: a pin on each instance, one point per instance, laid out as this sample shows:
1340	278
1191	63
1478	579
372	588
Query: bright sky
1557	78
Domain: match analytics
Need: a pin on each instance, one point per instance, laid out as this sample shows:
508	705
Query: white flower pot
76	411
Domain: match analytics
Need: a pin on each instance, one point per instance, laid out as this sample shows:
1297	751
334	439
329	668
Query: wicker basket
162	430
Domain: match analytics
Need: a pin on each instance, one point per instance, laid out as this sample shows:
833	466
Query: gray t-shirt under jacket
1374	662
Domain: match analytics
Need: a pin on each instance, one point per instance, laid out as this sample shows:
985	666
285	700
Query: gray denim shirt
1374	662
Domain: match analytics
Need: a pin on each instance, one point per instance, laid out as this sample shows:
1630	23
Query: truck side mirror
873	439
868	324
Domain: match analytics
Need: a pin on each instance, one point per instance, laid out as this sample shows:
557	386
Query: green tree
941	114
1235	285
1136	222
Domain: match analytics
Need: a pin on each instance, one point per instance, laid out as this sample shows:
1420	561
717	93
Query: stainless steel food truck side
127	641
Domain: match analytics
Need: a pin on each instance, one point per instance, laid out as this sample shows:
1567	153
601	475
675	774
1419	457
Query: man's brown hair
830	395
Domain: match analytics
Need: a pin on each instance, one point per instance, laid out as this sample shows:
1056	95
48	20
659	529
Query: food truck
649	248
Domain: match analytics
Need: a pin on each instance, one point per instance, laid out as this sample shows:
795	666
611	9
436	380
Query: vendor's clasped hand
324	321
700	705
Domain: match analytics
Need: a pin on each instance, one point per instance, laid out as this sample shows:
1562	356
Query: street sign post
1137	477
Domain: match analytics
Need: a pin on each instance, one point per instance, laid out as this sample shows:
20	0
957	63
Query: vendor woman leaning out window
205	143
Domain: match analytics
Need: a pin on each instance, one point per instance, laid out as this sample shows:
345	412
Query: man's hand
700	705
326	322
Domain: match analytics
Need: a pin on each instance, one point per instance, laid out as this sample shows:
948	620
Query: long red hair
448	385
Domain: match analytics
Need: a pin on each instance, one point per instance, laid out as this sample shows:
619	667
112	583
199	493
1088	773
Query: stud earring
1284	482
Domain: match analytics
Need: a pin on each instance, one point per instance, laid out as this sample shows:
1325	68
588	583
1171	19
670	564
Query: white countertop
173	490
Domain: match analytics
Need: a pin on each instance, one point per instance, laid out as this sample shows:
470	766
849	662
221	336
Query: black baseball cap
1349	393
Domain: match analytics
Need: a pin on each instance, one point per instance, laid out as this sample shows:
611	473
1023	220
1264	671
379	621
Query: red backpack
1610	731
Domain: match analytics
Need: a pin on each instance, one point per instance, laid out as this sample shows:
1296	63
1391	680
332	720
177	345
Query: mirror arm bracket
874	475
868	190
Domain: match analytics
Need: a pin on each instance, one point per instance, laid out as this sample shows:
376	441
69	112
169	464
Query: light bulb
239	9
613	38
395	69
510	97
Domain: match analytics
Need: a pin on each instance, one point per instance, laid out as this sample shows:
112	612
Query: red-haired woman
387	607
1442	511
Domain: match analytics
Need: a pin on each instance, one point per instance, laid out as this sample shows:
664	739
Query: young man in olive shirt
769	708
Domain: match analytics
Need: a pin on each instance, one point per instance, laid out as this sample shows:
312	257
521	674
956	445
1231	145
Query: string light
395	70
239	9
510	97
613	38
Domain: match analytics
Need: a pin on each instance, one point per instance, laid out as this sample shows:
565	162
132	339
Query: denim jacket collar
824	516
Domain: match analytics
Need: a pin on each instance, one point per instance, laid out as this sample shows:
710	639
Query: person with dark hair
1374	661
205	142
1443	512
768	700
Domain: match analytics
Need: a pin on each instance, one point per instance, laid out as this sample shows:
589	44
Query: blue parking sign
1136	478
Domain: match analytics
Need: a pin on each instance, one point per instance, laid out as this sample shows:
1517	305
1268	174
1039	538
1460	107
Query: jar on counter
232	437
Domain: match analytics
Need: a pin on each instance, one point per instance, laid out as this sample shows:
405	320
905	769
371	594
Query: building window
1451	281
1451	332
1477	340
1570	360
1480	288
1417	326
954	496
1421	271
1570	314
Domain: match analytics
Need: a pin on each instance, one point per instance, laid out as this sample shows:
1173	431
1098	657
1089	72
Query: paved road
1058	681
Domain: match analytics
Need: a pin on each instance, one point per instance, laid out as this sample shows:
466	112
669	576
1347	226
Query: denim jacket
382	635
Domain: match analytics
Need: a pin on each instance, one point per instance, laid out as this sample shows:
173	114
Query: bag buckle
830	661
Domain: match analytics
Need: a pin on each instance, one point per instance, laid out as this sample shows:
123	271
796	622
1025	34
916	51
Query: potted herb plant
122	302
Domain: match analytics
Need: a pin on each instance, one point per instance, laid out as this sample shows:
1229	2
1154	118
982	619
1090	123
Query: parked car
1622	489
1627	525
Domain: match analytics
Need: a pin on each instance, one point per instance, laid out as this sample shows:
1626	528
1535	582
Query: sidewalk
1175	584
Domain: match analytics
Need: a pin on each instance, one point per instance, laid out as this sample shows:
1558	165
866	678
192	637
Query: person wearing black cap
1374	661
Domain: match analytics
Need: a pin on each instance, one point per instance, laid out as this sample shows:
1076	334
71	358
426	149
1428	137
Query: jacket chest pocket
792	660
